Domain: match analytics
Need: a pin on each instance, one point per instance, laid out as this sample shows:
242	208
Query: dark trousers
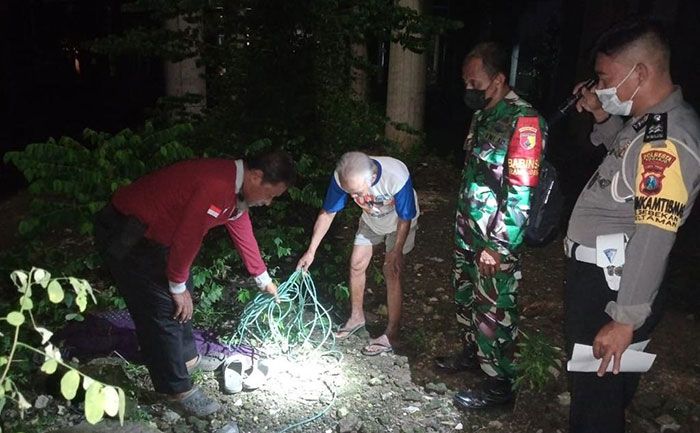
138	267
597	403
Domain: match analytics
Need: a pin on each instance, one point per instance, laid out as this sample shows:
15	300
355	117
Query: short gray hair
355	164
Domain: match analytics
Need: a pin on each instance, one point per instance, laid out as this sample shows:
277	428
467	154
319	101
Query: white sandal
259	373
234	369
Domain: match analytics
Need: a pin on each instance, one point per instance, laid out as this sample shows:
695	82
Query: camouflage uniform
506	140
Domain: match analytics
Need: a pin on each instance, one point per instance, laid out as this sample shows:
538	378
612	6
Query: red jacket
180	203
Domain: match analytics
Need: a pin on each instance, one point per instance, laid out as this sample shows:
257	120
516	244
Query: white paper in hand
634	360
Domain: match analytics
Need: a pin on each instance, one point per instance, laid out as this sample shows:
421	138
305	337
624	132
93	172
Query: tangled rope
296	320
293	325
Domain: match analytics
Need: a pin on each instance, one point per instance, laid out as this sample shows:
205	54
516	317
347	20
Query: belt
579	252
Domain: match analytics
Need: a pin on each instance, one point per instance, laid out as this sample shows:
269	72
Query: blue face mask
611	102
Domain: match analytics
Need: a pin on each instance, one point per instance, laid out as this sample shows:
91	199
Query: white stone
411	409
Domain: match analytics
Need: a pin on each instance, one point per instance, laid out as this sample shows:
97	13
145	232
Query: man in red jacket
151	232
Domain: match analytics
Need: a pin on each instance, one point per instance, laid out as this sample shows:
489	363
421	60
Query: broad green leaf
81	301
69	384
122	405
39	274
49	366
87	382
25	302
42	277
94	403
75	316
20	280
15	318
45	334
111	400
3	360
55	291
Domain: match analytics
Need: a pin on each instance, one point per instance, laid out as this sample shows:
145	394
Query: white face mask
611	102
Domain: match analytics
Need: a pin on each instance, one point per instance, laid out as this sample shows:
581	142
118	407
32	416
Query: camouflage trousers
487	312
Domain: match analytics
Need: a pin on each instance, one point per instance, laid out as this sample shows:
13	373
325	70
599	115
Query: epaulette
657	127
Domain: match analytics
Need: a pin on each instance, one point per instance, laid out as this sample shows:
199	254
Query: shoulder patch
660	196
524	152
657	127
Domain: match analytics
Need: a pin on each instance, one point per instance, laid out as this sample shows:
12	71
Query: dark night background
42	95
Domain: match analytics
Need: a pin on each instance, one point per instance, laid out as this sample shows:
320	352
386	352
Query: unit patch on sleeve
661	195
524	152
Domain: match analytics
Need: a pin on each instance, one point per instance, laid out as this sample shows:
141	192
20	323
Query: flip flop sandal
380	347
348	331
233	376
196	403
258	375
234	369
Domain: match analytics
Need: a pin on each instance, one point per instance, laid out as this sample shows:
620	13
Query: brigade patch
656	127
654	163
661	196
524	152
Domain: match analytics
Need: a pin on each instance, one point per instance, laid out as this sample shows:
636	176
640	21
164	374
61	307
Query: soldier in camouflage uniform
504	148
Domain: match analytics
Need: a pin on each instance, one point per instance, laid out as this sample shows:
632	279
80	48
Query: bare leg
359	261
393	300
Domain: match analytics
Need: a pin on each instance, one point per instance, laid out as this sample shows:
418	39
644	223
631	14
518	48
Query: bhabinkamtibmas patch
524	152
660	196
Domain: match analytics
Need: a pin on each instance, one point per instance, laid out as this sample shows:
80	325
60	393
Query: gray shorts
366	236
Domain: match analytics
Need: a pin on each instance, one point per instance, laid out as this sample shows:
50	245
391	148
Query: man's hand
183	306
589	102
393	261
271	289
609	343
306	260
488	262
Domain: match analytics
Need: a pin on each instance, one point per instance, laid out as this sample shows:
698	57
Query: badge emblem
654	162
528	137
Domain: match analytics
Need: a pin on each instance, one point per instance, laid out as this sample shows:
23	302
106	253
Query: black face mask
475	99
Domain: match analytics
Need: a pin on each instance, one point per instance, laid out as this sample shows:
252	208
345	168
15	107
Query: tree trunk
185	77
405	101
358	74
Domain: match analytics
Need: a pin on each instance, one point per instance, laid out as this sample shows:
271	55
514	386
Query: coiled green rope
294	324
297	320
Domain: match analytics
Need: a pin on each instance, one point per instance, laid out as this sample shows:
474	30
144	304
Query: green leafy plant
70	180
100	399
538	362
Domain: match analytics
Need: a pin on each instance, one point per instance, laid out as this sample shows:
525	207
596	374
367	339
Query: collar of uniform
670	102
239	175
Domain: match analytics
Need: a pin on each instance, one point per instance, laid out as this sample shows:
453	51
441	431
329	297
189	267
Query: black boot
494	391
462	361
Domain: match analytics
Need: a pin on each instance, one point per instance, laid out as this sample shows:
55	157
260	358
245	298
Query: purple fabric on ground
104	333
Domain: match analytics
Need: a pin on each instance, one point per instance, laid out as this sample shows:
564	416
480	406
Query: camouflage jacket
492	209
